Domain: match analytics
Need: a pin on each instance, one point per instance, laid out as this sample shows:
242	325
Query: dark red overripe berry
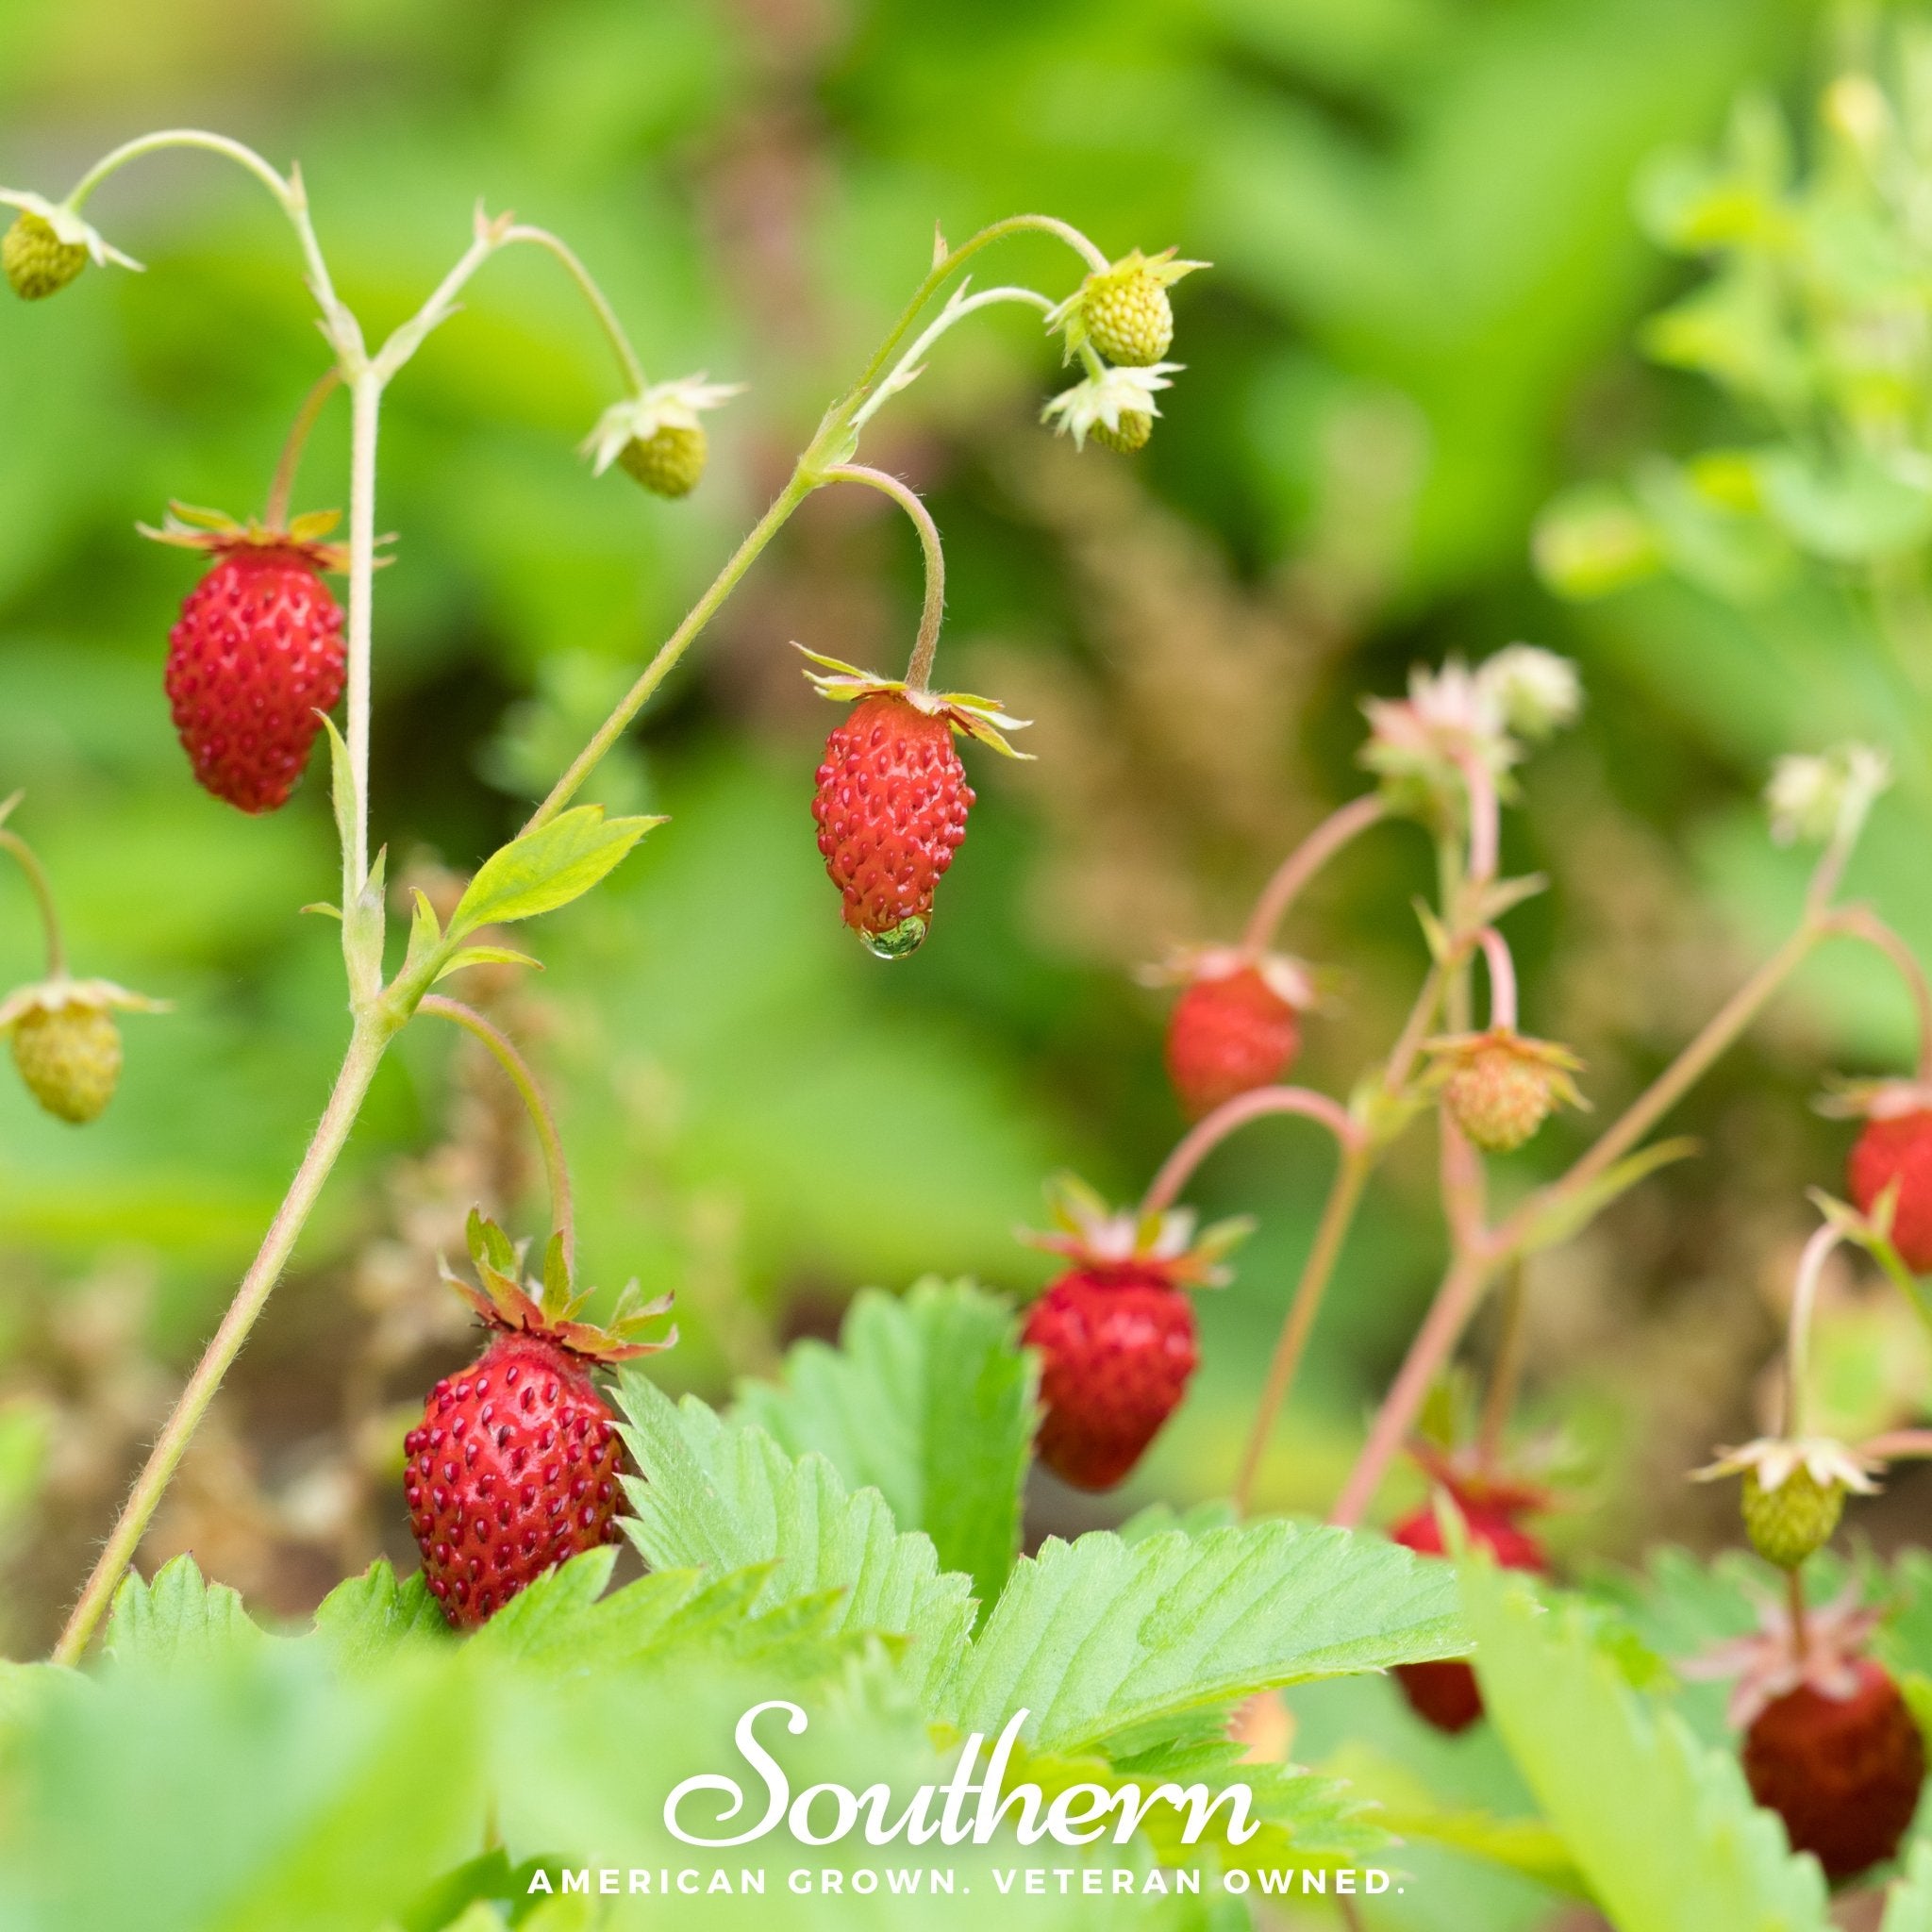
1843	1772
514	1466
1116	1331
892	798
1898	1148
1444	1693
891	806
256	654
1230	1032
514	1469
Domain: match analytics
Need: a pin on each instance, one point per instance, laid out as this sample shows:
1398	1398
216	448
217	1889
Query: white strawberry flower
663	405
1813	796
68	229
1103	400
1447	712
1538	691
1773	1461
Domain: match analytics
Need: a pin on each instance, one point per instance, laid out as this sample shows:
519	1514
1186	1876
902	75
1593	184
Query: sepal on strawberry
1115	407
48	245
1793	1492
657	436
1123	310
1500	1086
215	533
65	1043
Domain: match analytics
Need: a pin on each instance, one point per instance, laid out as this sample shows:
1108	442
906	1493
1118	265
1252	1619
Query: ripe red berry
1843	1772
891	806
1445	1693
1117	1346
256	654
1898	1147
514	1469
1229	1033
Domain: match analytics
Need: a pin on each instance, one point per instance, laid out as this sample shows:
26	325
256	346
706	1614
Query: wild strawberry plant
840	1549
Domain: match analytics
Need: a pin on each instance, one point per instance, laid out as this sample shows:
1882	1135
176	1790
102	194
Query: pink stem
1895	1444
1501	980
1305	862
1201	1139
1861	923
1484	829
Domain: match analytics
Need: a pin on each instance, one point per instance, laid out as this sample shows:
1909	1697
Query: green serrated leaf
425	933
928	1399
1109	1644
1569	1213
547	868
366	1620
1662	1828
1156	1519
719	1495
485	955
178	1621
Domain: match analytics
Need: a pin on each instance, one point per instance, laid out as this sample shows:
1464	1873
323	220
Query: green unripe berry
1130	434
670	460
70	1058
1794	1521
1129	317
36	261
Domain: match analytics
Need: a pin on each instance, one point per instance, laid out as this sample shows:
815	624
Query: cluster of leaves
803	1546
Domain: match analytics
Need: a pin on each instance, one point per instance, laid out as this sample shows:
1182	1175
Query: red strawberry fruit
1844	1771
1234	1028
257	656
1896	1147
1444	1693
1116	1331
892	799
514	1466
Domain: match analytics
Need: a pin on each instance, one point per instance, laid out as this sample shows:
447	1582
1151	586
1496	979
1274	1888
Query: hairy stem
908	366
29	863
1798	1335
1501	979
919	670
586	284
1300	865
556	1171
1861	923
1205	1135
365	403
366	1045
1331	1232
276	512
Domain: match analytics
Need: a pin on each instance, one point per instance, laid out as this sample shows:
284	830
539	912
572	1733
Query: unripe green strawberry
36	261
1501	1087
1123	310
1133	433
1793	1521
70	1058
669	461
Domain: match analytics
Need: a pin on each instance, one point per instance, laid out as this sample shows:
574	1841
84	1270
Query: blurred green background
1421	327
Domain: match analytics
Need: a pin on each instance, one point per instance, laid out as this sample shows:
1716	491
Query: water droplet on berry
896	941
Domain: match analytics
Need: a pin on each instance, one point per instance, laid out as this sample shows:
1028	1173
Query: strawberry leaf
930	1399
723	1495
547	868
1111	1646
1679	1846
178	1621
1911	1905
366	1620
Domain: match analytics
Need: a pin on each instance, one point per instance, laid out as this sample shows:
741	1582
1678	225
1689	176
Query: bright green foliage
365	1619
1910	1908
724	1496
176	1620
547	868
930	1400
1661	1827
1116	1645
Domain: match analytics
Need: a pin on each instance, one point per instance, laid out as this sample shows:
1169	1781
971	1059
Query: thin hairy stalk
366	1046
1794	1603
1485	820
1861	923
1331	1232
586	284
919	668
276	512
908	369
1506	1371
1501	979
365	409
1798	1334
1205	1135
1435	1341
28	861
556	1170
1337	829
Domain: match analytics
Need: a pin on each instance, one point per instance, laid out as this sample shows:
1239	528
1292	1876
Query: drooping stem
1506	1369
1861	923
1429	1353
909	364
1485	819
276	512
504	1049
365	1052
1798	1336
29	863
586	283
1331	1232
1207	1133
1300	865
919	668
1501	979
